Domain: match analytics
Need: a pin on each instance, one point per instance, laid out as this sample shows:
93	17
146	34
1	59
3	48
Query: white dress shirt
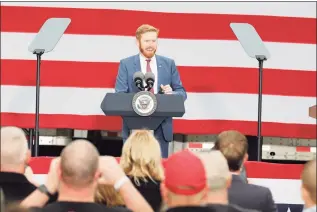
153	66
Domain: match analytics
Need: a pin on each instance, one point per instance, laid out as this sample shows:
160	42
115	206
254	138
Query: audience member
234	147
76	174
85	181
14	159
141	161
219	180
185	185
309	187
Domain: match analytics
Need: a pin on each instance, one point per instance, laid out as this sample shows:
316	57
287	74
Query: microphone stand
140	86
149	86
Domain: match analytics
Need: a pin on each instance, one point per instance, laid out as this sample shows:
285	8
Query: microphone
138	78
149	80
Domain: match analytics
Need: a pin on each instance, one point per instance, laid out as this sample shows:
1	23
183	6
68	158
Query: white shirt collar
142	58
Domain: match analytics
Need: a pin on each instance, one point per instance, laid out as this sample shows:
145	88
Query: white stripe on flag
86	101
283	190
216	53
208	145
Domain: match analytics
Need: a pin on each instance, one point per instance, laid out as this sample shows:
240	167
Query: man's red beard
147	54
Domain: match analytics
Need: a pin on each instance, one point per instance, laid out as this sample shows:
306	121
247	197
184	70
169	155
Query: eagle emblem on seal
144	103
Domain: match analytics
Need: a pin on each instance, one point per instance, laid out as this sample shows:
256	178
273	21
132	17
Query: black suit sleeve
270	204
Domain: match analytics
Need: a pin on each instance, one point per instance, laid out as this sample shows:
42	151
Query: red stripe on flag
171	25
112	123
40	165
273	171
195	145
302	149
205	79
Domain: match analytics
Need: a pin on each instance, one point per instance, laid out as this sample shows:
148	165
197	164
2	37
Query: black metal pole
31	146
259	143
37	105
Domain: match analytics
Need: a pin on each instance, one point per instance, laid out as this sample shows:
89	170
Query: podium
129	106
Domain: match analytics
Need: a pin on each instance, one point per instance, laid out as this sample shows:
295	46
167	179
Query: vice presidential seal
144	103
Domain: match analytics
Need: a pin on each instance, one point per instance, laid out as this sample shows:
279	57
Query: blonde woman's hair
141	157
107	195
144	29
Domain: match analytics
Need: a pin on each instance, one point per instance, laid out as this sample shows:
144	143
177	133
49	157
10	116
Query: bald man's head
14	147
309	181
217	170
79	163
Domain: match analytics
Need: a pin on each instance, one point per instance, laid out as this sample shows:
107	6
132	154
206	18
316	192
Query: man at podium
167	80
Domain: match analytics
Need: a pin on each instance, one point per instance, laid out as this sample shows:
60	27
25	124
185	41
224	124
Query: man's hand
52	181
110	170
167	89
37	198
28	173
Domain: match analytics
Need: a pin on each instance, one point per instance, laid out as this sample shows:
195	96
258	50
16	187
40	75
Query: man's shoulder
229	208
249	188
258	190
128	59
238	208
66	206
164	58
258	187
15	186
158	57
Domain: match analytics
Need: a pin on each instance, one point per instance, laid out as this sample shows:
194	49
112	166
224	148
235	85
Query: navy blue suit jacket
167	75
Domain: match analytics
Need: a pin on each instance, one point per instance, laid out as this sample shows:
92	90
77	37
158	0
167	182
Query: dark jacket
251	196
15	186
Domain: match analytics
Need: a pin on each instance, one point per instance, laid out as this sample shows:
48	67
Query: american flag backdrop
221	80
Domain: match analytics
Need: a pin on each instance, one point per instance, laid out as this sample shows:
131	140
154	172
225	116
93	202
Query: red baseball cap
185	173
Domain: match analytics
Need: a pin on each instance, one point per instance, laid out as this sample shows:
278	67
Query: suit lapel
159	71
137	63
